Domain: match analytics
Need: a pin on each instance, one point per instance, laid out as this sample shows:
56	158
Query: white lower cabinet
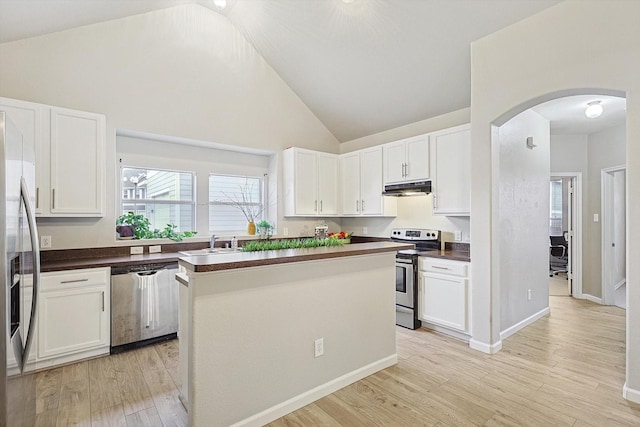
444	293
73	316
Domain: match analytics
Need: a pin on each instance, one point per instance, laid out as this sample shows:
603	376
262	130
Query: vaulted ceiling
361	66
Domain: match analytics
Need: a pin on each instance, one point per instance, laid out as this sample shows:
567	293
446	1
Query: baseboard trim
484	347
523	323
630	394
316	393
592	298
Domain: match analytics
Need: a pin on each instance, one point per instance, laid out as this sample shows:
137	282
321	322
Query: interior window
233	202
555	208
164	197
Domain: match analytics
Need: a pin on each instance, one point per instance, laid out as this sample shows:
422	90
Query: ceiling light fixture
594	110
220	4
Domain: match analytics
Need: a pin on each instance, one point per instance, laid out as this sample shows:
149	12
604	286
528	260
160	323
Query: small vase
251	228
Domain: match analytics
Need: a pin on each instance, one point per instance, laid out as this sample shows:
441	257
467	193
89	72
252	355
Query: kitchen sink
210	251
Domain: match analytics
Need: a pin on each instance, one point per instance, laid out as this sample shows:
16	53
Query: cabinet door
77	163
443	300
72	320
417	158
394	162
328	179
350	173
452	175
27	116
371	186
305	182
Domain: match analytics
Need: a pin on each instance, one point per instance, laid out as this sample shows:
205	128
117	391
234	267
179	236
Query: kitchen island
252	323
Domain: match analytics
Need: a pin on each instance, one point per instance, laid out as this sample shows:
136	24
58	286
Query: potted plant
132	225
265	229
244	201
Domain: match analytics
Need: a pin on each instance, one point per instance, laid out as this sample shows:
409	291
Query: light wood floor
558	285
136	388
567	369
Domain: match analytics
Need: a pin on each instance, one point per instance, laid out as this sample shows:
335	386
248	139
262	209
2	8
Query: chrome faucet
212	241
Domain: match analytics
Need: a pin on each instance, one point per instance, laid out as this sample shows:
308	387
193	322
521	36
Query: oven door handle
403	261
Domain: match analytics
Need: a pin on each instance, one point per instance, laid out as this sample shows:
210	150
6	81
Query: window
233	201
164	197
555	208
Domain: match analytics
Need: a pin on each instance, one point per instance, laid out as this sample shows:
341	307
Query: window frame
193	202
263	197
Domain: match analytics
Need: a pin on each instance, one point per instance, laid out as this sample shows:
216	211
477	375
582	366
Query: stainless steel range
407	272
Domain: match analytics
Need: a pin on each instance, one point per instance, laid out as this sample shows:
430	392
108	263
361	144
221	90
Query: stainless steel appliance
19	265
144	305
407	272
416	188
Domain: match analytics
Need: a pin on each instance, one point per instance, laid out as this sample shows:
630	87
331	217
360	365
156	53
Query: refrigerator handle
35	250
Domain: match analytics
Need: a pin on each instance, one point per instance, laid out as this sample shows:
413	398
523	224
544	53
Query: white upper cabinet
310	183
27	116
362	185
451	167
77	163
70	157
406	160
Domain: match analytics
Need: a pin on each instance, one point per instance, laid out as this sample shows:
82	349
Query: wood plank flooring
138	388
567	369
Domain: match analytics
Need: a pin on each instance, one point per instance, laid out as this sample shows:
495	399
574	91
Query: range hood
417	188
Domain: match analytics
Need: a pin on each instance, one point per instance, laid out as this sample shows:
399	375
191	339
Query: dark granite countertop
455	255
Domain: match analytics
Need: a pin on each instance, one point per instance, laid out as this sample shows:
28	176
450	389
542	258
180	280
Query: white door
417	167
306	183
614	236
328	190
394	162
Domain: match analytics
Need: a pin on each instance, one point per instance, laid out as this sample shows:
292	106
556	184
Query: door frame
575	238
606	207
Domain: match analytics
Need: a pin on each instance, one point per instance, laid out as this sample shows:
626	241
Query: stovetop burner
423	239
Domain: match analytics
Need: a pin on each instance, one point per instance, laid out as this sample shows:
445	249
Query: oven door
404	282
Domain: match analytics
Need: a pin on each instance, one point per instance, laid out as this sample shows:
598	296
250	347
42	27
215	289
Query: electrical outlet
365	230
45	242
319	347
285	231
457	235
155	249
136	250
529	294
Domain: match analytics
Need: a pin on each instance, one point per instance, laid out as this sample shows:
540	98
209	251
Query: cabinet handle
75	281
357	205
435	200
53	198
440	268
102	300
320	205
406	170
315	209
37	197
363	206
403	170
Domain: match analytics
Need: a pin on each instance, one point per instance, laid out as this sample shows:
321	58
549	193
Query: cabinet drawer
443	266
74	278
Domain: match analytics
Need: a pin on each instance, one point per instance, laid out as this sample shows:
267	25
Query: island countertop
228	261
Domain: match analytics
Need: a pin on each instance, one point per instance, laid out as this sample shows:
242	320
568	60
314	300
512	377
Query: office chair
558	255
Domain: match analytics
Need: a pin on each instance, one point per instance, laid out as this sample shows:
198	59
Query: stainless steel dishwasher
144	305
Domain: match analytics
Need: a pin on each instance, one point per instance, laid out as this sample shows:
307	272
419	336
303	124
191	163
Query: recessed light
594	110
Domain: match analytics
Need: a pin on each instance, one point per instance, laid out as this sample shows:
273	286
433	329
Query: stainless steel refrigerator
20	268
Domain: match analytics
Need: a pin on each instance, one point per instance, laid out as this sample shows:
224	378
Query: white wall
413	212
524	213
606	149
547	56
183	71
454	118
